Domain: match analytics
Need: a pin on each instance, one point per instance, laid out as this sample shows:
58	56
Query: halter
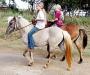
20	28
23	27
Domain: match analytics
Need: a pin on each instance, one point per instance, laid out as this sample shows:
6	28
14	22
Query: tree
30	2
0	0
71	4
3	2
12	5
49	3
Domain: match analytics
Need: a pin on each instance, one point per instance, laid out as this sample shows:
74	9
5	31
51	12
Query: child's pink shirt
58	20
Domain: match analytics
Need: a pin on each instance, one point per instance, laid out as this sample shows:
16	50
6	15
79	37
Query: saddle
51	23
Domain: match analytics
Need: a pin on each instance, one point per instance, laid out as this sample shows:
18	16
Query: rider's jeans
31	43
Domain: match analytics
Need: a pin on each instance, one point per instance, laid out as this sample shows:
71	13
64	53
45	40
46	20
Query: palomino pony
51	37
78	36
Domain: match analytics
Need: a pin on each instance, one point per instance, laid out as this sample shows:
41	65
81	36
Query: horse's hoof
30	64
68	69
24	55
53	57
63	59
47	56
45	66
80	61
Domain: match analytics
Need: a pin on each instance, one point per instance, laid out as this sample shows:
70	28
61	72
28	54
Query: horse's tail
68	44
85	37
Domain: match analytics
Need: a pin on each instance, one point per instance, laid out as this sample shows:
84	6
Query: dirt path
13	63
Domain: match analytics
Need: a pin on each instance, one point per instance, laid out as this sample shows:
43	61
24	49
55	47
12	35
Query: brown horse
76	33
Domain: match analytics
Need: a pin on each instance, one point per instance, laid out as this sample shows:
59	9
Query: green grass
78	20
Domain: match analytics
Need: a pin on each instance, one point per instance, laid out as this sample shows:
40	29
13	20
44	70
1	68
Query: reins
23	27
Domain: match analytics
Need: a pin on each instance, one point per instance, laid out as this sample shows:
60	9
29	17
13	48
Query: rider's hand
34	21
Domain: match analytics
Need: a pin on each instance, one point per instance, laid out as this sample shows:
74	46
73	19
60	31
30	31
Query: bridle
23	27
16	28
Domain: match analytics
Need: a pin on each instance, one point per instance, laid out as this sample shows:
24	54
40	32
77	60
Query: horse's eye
10	23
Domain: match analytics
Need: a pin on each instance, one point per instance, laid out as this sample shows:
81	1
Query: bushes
78	20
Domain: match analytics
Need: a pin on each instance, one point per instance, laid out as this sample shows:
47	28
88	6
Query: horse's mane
24	23
23	20
9	18
71	23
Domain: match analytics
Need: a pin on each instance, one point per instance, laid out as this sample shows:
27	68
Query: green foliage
25	0
78	20
70	3
3	1
73	3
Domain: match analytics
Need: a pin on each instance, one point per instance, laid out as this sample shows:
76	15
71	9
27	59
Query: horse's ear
14	18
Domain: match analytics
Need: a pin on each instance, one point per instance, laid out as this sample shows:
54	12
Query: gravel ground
13	63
